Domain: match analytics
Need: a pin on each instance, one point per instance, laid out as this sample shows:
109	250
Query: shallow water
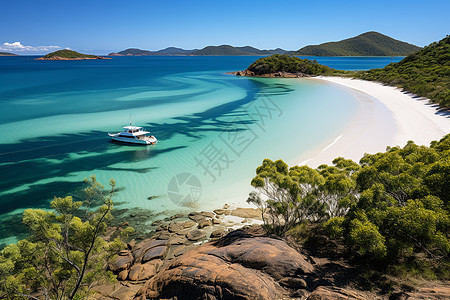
213	129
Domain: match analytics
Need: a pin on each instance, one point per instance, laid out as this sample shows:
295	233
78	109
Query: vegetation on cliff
366	44
425	73
285	63
65	255
68	55
391	209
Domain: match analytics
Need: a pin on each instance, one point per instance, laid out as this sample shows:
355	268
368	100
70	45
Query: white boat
134	135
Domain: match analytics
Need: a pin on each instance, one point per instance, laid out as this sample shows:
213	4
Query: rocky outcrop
236	266
335	293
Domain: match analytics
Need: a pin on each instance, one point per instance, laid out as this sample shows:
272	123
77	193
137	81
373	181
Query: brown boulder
156	252
144	271
221	211
252	213
177	240
121	263
195	235
122	275
178	227
145	245
236	266
203	223
218	233
335	293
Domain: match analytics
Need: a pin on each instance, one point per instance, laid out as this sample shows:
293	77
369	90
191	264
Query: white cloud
18	47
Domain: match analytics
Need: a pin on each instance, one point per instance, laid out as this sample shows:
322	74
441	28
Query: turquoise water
213	130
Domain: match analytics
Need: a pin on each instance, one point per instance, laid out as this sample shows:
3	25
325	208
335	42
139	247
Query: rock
117	290
131	244
176	216
195	235
335	293
195	216
218	233
244	221
145	245
121	263
177	227
122	275
177	240
156	252
203	223
238	266
144	271
158	223
226	206
124	252
252	213
207	214
435	292
164	235
216	221
293	283
222	211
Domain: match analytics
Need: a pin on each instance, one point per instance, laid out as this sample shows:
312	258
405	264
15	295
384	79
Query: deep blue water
55	116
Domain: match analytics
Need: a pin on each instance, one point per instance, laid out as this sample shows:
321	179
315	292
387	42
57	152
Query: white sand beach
386	116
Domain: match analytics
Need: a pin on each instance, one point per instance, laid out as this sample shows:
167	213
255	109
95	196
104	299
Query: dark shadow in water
28	161
14	175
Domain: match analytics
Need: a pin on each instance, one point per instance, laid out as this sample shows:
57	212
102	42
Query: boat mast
131	121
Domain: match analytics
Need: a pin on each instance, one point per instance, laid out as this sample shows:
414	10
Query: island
7	54
282	65
222	50
69	55
367	44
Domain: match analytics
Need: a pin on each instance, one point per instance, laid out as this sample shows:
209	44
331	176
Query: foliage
285	63
65	53
65	255
366	44
425	73
288	196
392	208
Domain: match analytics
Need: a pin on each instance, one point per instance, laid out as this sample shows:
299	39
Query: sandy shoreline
386	117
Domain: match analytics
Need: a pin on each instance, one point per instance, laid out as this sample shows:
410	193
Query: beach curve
386	117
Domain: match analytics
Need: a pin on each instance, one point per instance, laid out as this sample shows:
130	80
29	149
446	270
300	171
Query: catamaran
134	135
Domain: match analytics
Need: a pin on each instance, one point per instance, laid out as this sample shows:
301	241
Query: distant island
282	65
7	54
367	44
140	52
209	50
69	55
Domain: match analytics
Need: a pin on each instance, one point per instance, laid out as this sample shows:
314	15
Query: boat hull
134	141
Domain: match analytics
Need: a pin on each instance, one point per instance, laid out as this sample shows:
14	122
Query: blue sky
99	26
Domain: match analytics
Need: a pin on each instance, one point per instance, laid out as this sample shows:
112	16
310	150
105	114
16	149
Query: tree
287	196
65	255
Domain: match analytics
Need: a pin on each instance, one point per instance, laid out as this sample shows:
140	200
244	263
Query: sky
100	27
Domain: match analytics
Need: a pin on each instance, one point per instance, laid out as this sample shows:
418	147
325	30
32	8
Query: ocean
213	129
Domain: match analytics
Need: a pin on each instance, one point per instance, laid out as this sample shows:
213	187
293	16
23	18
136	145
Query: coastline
386	117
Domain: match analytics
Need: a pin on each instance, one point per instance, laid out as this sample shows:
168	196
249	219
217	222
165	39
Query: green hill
231	50
425	73
366	44
7	54
68	55
283	63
